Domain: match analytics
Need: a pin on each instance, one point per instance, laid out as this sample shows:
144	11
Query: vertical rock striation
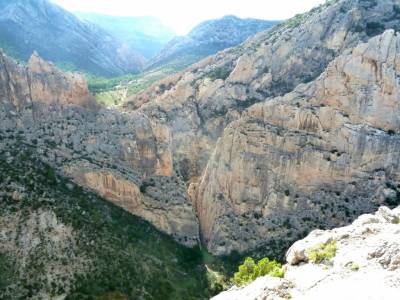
318	156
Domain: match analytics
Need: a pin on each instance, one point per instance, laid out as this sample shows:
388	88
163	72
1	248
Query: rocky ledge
366	264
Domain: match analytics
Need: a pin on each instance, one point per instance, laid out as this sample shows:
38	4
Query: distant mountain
208	38
59	36
147	35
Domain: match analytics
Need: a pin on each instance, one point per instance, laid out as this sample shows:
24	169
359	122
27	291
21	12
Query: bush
220	73
322	253
249	270
374	28
354	267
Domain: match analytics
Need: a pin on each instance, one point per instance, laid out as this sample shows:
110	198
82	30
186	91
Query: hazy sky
183	15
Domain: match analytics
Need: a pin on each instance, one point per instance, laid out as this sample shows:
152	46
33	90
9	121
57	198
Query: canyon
246	151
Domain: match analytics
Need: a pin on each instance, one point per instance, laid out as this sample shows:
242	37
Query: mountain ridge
59	36
208	38
147	35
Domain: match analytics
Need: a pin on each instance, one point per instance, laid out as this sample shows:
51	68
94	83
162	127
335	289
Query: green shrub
220	73
322	253
250	270
354	267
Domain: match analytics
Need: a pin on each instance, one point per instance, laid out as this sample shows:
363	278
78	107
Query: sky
183	15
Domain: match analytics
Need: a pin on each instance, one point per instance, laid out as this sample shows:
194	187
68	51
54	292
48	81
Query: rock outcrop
199	103
291	162
366	265
41	82
318	156
40	231
252	143
125	157
61	241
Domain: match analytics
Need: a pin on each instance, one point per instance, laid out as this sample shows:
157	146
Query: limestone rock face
253	143
315	157
49	85
121	192
200	102
42	82
172	214
14	87
366	265
124	156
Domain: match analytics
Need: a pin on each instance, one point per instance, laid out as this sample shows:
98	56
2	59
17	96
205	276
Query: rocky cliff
366	265
39	25
59	241
321	155
125	157
314	157
294	129
199	103
41	82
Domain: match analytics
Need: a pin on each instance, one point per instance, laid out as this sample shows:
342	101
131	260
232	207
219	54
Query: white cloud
182	15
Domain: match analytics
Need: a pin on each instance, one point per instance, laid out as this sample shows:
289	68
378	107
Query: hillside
147	35
57	35
60	240
248	170
205	39
208	38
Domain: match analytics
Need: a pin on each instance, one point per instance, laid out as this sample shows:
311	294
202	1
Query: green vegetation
220	73
250	270
6	272
323	253
129	258
113	91
374	28
101	84
354	267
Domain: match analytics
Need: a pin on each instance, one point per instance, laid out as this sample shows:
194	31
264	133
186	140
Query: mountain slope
332	149
231	146
124	157
38	25
208	38
199	103
58	240
147	35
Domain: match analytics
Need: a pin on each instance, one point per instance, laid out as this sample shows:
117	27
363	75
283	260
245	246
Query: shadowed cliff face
314	157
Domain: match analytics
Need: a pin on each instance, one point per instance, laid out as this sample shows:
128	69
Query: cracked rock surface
366	265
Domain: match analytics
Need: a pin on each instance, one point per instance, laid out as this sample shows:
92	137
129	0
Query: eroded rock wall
318	156
124	156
